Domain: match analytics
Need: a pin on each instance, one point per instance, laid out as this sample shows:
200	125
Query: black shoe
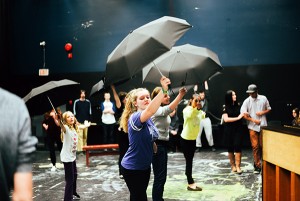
257	170
194	189
76	196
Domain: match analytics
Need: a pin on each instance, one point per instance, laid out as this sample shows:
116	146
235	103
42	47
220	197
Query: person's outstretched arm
176	101
205	85
156	102
116	97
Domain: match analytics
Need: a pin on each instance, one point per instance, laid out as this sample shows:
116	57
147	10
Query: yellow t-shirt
191	126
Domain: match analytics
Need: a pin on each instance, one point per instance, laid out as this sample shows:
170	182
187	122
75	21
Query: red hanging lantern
68	47
70	55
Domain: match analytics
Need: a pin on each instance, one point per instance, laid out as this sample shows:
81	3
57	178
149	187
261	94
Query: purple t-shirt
141	137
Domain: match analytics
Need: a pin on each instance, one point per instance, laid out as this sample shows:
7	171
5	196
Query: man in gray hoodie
16	148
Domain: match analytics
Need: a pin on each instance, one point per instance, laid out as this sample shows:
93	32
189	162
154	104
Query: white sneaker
53	169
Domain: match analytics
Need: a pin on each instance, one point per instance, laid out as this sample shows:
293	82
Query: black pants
188	148
71	180
159	165
137	182
123	142
108	133
51	144
174	142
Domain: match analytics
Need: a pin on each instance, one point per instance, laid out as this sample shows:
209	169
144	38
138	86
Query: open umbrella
59	92
184	65
142	46
97	87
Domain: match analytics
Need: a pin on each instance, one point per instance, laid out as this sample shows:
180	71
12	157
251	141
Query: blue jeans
159	164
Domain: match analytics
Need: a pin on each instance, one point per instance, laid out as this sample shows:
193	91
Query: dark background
256	41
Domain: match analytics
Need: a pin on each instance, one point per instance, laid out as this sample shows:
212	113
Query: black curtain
5	41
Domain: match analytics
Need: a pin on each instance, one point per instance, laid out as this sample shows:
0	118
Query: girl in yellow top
192	114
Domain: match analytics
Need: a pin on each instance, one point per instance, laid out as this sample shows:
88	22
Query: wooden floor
101	180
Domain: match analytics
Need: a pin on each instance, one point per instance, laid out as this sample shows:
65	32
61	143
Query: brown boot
238	157
231	160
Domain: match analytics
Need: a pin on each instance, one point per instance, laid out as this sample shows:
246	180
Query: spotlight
43	43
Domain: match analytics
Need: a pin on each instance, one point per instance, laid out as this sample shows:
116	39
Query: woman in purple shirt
136	120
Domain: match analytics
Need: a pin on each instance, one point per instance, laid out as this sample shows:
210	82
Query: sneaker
213	148
53	169
76	196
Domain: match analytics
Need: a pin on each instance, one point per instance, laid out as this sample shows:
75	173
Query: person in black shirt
82	110
233	130
51	124
122	137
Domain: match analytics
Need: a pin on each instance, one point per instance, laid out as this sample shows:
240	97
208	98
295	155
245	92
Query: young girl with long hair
70	128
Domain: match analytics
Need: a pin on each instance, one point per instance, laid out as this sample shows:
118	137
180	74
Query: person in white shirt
255	108
108	109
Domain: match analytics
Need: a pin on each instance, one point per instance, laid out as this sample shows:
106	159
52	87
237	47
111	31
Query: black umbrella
184	65
142	46
59	92
97	87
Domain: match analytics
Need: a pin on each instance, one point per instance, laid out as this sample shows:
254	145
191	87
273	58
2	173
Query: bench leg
87	156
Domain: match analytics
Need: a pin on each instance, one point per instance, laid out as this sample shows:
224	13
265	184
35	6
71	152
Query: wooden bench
98	150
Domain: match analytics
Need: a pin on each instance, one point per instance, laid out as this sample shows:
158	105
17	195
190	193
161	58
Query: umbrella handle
61	122
157	69
52	105
170	88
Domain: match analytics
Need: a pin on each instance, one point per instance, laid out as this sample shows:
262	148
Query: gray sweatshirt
162	121
16	143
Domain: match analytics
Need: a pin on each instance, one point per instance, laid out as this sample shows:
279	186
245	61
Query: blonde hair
130	108
71	126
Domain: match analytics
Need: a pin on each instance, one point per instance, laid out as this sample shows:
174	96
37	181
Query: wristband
164	92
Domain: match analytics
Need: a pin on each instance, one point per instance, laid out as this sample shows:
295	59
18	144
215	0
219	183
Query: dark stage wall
257	42
277	82
240	32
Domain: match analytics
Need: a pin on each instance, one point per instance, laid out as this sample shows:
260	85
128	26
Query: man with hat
255	108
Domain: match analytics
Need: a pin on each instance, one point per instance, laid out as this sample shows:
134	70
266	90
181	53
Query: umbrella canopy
59	92
142	46
184	65
97	87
